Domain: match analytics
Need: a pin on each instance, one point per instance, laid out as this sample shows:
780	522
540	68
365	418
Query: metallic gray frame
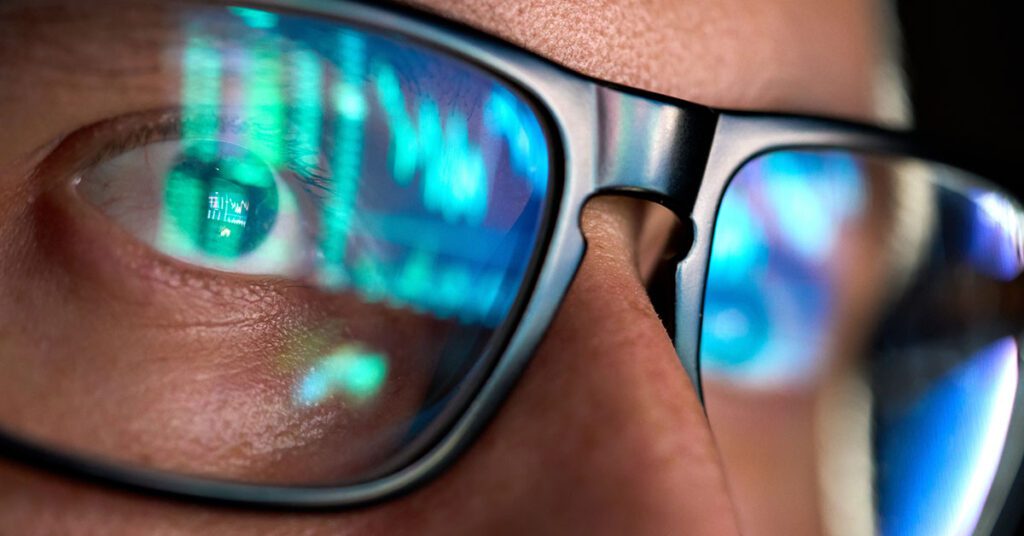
610	139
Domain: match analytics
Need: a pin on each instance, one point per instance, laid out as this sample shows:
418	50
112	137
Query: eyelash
168	126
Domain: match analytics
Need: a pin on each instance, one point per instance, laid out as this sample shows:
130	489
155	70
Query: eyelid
91	145
88	146
151	127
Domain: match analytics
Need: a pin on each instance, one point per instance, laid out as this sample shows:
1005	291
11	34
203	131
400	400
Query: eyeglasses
373	216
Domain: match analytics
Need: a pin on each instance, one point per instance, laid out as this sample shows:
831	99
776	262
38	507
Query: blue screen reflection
820	264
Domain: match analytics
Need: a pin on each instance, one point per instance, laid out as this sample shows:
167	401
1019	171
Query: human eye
273	249
207	202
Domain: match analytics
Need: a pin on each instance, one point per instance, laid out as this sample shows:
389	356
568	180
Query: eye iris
221	199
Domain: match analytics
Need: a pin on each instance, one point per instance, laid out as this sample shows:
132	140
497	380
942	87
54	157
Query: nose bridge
652	148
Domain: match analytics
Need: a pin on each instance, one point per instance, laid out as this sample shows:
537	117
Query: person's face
604	433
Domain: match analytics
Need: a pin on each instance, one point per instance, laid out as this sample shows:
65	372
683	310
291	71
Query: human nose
604	433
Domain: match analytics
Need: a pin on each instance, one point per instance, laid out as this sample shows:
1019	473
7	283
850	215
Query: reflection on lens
858	358
335	222
938	455
996	238
768	296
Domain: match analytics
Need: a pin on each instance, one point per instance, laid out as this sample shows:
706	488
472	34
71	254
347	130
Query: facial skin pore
604	433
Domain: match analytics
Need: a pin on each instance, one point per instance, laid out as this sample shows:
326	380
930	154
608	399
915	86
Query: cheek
37	503
115	353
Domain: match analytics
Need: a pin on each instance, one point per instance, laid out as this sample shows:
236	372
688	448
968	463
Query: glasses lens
859	353
281	253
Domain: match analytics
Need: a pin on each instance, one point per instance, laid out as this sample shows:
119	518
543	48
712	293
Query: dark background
966	73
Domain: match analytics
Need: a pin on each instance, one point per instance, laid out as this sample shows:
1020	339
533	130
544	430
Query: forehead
811	56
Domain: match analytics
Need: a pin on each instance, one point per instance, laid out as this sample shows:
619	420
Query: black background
964	64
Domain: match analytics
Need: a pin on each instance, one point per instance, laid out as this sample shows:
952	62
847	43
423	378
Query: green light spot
255	18
351	104
351	371
248	172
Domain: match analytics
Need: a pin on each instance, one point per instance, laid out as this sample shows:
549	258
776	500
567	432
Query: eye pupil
221	198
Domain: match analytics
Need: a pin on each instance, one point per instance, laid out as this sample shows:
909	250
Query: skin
604	433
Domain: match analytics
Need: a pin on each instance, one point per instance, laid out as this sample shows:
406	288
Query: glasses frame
606	139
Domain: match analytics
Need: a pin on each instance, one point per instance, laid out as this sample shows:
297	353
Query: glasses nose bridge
653	149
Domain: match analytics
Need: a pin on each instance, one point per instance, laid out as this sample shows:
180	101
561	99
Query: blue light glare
446	290
997	237
265	104
812	194
767	295
404	150
938	456
201	87
455	178
736	330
